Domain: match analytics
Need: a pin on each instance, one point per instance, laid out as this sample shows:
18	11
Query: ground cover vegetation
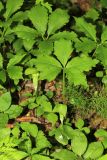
53	80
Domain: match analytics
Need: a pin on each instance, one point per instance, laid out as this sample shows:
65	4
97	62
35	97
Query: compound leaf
76	67
14	111
31	129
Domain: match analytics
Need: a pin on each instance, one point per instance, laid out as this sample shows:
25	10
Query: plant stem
63	91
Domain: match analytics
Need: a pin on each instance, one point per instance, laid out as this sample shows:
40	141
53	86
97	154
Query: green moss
99	103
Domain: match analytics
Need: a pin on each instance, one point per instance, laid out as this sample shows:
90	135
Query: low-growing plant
25	140
98	102
87	101
38	45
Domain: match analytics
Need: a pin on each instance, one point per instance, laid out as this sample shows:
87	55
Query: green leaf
63	49
39	17
104	35
12	154
85	45
28	43
48	6
39	1
103	157
101	54
77	78
41	141
104	79
20	16
92	14
14	111
48	66
12	6
76	67
40	157
35	80
57	20
25	32
99	74
86	130
41	99
68	131
101	133
16	131
5	101
15	59
79	143
3	120
64	154
45	47
79	124
30	128
1	6
15	72
2	76
64	35
26	145
4	133
4	136
30	71
52	118
61	109
94	151
61	136
104	141
86	28
1	61
45	106
104	3
17	45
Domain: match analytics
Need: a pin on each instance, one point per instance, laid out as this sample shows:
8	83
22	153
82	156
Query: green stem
63	81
